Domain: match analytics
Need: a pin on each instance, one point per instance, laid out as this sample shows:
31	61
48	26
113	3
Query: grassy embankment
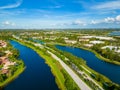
100	57
97	55
78	61
99	78
16	74
61	76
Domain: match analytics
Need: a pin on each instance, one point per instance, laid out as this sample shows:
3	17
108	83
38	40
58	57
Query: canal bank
109	70
37	74
63	79
97	55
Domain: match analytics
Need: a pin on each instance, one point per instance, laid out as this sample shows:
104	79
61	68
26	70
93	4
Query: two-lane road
82	85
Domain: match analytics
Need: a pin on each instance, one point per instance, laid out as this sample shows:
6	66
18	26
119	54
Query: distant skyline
40	14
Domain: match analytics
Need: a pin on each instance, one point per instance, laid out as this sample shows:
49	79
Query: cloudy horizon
39	14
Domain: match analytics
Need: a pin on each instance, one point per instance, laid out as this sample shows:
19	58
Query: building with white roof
97	42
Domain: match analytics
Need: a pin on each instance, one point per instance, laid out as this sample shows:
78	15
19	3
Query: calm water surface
115	33
37	75
107	69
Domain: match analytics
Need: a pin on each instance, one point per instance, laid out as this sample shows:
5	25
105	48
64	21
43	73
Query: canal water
109	70
114	33
37	75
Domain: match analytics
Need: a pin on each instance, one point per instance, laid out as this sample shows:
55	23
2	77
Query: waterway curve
37	75
109	70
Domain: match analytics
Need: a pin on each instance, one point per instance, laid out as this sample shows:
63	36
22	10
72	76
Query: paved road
78	81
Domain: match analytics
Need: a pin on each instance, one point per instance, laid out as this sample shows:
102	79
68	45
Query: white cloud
110	5
8	23
118	18
109	20
79	22
93	22
112	20
102	21
69	23
14	5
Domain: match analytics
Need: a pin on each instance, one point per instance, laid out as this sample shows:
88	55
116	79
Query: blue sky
38	14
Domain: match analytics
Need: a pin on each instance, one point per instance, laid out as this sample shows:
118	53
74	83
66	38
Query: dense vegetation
53	37
73	60
107	53
17	66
